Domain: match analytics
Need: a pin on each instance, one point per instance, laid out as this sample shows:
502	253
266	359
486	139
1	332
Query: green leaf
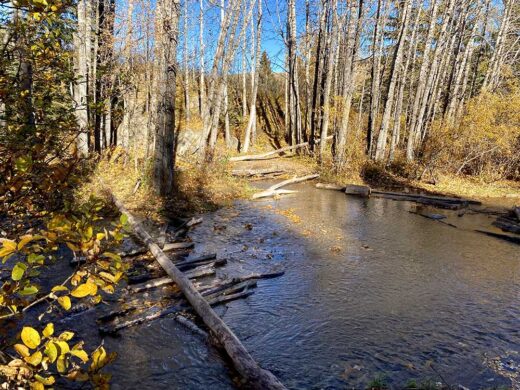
123	219
49	381
28	290
18	271
51	351
34	258
23	164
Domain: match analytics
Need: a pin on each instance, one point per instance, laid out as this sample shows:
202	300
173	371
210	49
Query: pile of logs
194	292
431	200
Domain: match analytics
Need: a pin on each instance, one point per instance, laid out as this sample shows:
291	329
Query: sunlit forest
146	148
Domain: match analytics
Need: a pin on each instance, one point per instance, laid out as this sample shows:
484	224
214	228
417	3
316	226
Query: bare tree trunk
426	77
376	63
294	125
166	41
186	69
244	79
318	69
412	48
493	73
308	49
80	91
202	85
394	72
255	72
353	34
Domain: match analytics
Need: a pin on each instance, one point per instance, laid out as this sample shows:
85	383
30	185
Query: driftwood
327	186
191	326
232	293
187	265
272	154
247	367
275	189
432	200
199	272
177	245
357	190
507	225
218	286
274	171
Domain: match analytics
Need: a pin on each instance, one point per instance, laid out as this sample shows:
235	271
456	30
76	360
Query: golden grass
200	187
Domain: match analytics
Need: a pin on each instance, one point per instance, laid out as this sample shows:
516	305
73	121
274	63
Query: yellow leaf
30	337
82	290
98	358
37	386
64	302
49	381
64	347
100	236
22	350
49	330
34	359
107	276
66	336
25	240
59	288
51	351
80	354
62	364
8	244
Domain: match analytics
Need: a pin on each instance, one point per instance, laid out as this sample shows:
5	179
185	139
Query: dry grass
200	187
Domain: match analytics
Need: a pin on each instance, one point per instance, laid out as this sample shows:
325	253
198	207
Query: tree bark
167	38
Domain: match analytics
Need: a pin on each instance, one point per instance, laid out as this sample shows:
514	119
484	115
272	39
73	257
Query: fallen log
445	202
185	266
507	225
220	287
357	190
275	189
191	326
246	366
327	186
272	154
257	172
177	245
205	270
427	197
228	288
158	282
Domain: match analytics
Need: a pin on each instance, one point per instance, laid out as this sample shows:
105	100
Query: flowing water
369	289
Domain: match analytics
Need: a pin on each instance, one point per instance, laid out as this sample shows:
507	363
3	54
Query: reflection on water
369	288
